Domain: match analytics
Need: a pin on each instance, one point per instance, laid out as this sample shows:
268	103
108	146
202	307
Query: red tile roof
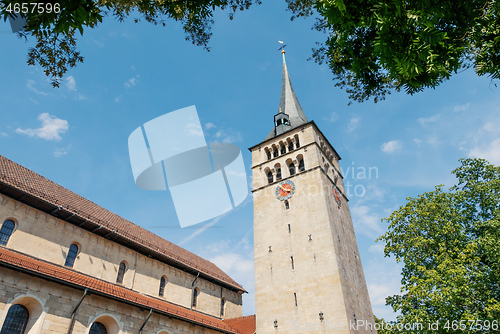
245	325
70	277
22	179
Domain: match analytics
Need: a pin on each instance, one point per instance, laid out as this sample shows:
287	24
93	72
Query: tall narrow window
289	229
291	168
283	149
72	253
6	231
196	293
275	152
268	154
297	143
291	258
301	165
270	177
222	306
163	282
295	296
287	205
16	320
98	328
121	273
290	147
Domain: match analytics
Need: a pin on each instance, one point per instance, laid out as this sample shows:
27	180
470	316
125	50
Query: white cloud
490	152
333	117
31	85
392	146
194	129
234	263
371	223
377	248
461	107
492	126
3	134
223	135
71	83
131	82
383	279
52	128
424	120
60	152
353	124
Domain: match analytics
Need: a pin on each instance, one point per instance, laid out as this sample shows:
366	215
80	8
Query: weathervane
282	47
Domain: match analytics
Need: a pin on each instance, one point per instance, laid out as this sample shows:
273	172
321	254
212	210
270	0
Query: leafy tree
449	242
54	27
375	46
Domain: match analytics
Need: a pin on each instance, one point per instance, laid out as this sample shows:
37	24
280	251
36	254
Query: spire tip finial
282	48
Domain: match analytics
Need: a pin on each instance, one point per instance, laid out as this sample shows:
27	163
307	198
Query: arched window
290	146
270	177
275	152
277	167
121	273
278	122
6	231
98	328
16	320
301	165
163	282
287	205
297	143
268	153
222	306
291	168
283	149
72	253
196	293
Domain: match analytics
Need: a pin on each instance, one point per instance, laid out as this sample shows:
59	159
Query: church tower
308	273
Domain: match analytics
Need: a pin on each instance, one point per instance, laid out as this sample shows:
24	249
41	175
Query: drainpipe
145	321
220	303
72	323
192	290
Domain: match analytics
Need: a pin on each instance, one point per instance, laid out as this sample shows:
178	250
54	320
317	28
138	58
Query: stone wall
45	237
51	304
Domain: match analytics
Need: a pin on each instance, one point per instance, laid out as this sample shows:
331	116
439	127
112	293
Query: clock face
336	195
285	190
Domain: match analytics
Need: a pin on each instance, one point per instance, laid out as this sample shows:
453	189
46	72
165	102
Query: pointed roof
289	104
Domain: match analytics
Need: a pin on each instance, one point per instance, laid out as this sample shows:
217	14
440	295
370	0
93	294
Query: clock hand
285	189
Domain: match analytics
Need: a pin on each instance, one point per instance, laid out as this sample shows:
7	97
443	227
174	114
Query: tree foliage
54	31
449	242
376	46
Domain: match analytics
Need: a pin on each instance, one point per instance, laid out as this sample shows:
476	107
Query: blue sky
77	135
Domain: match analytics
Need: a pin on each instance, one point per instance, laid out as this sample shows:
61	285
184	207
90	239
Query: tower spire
289	107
